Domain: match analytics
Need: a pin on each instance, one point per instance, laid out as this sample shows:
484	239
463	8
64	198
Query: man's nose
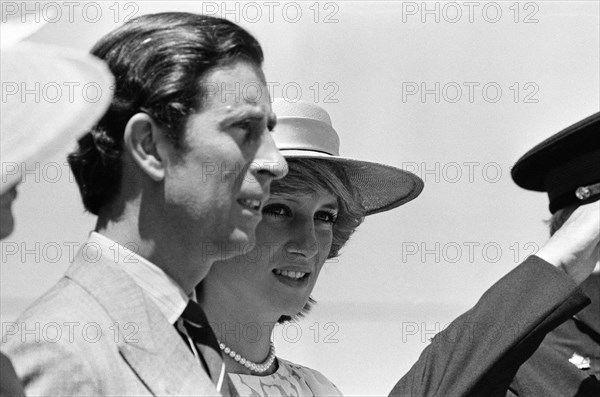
268	162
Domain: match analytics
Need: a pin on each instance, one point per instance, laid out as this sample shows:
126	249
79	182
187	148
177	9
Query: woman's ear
141	141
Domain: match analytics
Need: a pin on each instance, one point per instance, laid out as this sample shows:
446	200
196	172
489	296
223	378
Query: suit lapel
147	341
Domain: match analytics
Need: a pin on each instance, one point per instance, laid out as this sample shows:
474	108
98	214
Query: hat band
306	134
305	150
570	198
585	192
562	181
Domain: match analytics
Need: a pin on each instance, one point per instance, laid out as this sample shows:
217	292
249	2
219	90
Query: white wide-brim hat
51	96
304	130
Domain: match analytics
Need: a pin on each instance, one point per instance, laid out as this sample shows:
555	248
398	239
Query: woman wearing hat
309	217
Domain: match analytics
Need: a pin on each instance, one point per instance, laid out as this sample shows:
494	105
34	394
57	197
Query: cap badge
583	192
580	362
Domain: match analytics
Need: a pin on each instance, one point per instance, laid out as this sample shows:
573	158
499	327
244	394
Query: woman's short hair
158	61
313	175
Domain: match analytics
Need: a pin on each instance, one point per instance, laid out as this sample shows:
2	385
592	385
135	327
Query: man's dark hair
159	61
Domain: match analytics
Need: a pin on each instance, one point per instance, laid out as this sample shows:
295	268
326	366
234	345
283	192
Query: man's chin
242	240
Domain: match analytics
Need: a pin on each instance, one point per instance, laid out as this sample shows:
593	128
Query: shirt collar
158	285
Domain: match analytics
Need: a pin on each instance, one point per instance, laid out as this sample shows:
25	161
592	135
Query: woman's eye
276	210
326	216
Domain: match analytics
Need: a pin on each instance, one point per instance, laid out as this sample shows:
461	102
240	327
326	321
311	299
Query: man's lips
251	204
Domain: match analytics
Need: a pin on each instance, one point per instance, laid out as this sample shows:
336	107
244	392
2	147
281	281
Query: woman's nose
304	242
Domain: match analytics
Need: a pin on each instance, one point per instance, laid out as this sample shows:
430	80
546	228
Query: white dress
289	380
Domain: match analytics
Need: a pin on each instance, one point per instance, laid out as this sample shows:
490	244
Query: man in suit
176	171
567	167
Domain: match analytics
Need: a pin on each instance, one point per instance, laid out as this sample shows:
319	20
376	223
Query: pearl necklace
252	366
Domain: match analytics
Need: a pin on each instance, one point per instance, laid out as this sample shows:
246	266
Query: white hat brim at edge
51	96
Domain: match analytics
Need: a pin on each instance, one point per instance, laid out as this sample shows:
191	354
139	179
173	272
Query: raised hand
575	247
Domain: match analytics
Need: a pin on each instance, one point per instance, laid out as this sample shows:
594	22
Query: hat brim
529	171
56	95
381	187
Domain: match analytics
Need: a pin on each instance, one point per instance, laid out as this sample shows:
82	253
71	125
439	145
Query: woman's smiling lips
291	274
294	278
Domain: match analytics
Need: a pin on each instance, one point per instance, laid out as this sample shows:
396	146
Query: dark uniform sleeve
549	372
481	351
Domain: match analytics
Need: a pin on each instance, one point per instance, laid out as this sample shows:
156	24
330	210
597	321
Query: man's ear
141	138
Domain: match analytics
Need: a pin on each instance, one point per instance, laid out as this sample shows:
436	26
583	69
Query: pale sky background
408	272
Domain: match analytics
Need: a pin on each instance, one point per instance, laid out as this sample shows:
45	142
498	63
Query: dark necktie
197	327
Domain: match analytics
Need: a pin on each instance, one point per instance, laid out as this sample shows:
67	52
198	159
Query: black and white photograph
300	198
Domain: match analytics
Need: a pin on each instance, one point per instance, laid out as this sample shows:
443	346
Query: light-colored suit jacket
97	333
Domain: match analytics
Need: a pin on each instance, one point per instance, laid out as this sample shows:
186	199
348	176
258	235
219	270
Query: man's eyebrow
248	113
